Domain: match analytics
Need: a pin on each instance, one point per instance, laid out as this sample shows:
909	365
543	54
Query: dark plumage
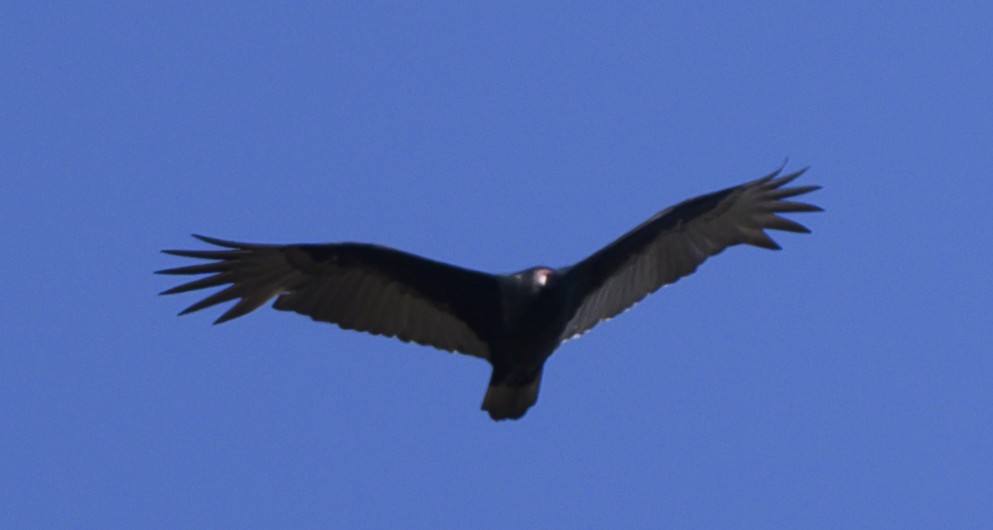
514	321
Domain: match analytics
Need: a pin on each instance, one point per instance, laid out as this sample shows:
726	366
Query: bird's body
514	321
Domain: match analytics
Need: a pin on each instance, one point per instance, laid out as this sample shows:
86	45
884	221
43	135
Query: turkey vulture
513	321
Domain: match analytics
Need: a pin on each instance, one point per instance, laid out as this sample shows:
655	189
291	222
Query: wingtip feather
224	318
235	245
761	239
785	179
796	207
776	222
204	268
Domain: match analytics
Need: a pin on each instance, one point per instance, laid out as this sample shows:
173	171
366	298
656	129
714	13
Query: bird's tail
510	397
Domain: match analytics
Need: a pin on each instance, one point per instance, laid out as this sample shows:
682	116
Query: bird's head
539	278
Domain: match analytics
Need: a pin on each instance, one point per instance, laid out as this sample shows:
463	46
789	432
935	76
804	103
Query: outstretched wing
674	242
356	286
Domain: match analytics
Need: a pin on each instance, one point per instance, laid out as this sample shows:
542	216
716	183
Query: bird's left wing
356	286
673	243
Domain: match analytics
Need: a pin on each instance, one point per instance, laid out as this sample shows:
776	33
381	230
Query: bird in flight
513	321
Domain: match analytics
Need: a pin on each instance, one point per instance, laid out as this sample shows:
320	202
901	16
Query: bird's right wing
673	243
356	286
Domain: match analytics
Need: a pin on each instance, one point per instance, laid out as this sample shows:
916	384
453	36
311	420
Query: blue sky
842	382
